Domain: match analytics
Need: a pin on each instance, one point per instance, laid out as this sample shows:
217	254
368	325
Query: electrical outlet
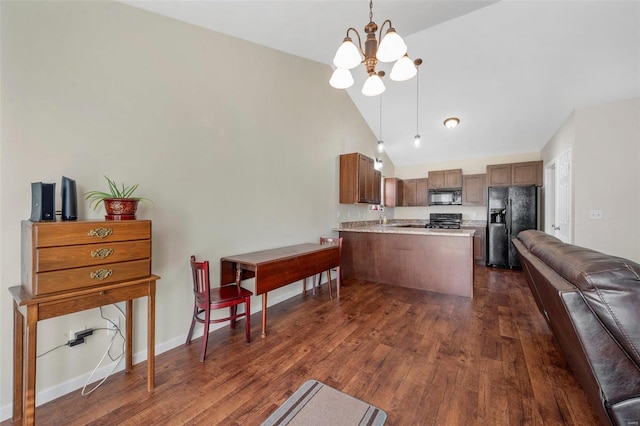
113	324
72	333
595	214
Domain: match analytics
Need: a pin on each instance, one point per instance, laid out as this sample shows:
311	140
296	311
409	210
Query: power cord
116	360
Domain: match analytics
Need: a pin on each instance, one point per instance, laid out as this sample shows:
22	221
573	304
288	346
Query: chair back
201	284
334	241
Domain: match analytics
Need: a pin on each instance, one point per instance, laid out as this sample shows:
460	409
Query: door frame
558	198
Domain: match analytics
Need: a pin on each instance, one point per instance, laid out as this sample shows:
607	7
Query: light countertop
403	228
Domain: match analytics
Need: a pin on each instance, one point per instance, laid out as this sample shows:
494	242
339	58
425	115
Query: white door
563	197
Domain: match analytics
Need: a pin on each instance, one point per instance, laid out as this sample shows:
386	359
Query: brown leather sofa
591	302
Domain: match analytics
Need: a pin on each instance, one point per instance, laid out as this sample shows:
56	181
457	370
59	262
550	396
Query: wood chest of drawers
64	256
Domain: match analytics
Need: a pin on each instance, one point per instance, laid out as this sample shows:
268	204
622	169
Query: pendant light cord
380	117
417	97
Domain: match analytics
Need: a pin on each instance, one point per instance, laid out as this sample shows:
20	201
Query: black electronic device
43	202
69	199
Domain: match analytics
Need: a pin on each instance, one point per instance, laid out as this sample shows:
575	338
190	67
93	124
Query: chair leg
314	284
247	318
329	283
193	323
232	311
205	337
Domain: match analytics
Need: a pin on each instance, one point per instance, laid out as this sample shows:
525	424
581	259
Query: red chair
207	299
325	240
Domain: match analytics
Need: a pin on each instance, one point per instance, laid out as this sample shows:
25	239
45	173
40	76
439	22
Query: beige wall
469	167
236	144
605	147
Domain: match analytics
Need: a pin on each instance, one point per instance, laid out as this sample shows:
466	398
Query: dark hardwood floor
424	358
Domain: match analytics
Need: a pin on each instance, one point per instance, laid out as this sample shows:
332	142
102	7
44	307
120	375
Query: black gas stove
445	220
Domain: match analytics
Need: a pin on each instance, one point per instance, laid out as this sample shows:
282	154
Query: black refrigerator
511	209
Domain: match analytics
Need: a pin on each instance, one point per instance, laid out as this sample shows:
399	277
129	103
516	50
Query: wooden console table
34	309
73	266
278	267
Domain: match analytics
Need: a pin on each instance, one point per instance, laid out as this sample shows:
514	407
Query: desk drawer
77	278
74	233
65	306
56	258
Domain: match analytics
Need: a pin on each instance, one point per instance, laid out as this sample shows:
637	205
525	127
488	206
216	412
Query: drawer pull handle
102	253
101	274
100	232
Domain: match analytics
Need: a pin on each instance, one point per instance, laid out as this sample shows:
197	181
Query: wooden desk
278	267
34	309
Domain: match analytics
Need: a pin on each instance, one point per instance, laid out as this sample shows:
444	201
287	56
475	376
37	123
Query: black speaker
69	199
43	202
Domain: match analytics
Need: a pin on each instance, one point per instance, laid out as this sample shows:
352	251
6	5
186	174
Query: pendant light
391	48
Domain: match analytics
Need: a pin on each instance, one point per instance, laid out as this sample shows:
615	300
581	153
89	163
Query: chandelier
391	49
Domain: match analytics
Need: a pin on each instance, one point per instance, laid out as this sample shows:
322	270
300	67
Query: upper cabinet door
357	179
439	179
524	174
474	190
515	174
499	175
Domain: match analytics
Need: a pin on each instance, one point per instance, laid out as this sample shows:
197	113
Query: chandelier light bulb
417	140
341	79
380	147
404	69
347	56
391	47
373	86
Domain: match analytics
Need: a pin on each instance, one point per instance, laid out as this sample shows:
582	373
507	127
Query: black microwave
445	197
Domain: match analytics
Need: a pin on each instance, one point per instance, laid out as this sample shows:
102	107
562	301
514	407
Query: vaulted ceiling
512	71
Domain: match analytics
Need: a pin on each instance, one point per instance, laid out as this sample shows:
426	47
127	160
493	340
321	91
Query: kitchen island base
439	262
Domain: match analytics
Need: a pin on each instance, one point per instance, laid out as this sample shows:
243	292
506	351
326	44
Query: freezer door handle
507	217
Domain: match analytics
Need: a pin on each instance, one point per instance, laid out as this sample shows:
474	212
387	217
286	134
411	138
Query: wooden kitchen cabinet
393	192
377	187
439	179
422	190
415	192
357	179
515	174
474	190
409	192
479	244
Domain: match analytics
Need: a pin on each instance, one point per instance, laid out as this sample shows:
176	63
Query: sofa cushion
610	285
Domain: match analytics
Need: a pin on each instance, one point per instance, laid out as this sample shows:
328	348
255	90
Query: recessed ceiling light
451	122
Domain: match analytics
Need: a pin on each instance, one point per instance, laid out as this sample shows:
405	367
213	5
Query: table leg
129	334
338	282
264	315
151	336
18	362
29	411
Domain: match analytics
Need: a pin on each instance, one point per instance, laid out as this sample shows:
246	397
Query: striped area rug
318	404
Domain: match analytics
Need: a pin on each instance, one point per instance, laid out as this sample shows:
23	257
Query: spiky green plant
95	198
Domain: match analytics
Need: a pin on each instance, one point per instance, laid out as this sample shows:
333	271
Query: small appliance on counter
444	221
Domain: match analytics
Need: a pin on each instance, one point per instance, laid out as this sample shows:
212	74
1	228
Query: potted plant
118	202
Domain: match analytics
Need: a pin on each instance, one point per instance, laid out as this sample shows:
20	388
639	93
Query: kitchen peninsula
409	255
